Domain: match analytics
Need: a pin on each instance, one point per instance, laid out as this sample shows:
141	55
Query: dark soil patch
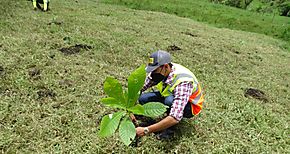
190	34
43	115
64	120
236	52
52	56
2	70
75	49
173	48
55	22
34	73
65	83
44	93
105	14
256	93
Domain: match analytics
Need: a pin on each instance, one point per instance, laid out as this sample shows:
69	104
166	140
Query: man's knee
142	99
150	97
169	100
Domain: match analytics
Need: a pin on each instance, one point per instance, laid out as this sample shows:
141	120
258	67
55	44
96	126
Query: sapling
126	102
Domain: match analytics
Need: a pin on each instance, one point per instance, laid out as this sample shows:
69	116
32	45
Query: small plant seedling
126	102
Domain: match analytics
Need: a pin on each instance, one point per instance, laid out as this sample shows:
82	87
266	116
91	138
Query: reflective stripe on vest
196	99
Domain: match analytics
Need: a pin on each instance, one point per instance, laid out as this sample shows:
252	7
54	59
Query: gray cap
157	59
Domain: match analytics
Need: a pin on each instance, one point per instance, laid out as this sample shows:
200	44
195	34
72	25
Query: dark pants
156	97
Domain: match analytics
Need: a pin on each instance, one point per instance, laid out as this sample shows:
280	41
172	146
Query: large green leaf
112	102
137	109
127	131
113	88
135	83
110	123
154	109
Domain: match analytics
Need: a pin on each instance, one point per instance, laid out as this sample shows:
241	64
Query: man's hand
140	131
161	125
133	119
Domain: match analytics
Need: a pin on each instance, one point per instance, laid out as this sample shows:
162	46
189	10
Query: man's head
158	59
159	65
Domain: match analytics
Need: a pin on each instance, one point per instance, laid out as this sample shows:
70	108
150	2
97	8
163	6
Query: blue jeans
156	97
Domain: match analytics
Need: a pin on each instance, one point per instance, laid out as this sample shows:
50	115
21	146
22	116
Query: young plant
126	102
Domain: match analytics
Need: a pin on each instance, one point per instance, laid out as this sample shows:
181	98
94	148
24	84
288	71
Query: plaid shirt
181	94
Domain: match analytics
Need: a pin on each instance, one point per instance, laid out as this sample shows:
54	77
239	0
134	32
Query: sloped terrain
49	100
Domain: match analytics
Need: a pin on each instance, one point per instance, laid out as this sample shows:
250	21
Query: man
177	87
37	2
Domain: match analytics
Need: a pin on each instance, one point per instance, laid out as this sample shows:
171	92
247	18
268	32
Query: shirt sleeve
181	93
148	83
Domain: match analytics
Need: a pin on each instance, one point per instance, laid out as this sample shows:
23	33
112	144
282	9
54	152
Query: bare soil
173	48
75	49
256	93
45	92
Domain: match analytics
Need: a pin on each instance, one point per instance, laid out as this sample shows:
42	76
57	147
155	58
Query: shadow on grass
185	129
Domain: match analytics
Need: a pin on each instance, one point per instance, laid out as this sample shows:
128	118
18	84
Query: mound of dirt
75	49
173	48
1	70
55	22
34	72
256	93
190	34
65	83
44	92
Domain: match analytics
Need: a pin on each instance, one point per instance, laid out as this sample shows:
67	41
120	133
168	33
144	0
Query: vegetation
53	67
218	15
282	7
235	3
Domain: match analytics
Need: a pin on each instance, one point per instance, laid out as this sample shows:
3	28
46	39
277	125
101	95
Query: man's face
160	73
161	70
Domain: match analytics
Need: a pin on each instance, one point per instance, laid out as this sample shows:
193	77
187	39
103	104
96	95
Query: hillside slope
218	15
49	93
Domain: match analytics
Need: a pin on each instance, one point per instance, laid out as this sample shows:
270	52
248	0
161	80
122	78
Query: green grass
58	110
217	15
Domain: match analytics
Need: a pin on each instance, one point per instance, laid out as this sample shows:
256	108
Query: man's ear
166	66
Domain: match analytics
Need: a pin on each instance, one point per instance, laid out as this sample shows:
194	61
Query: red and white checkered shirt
181	94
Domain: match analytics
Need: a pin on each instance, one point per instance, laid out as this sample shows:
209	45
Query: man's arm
147	84
161	125
181	93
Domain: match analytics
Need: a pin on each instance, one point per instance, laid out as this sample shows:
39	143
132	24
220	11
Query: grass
49	101
217	15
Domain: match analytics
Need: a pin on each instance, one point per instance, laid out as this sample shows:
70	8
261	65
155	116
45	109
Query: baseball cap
157	59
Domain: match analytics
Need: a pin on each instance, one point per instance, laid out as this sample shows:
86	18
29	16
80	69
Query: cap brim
151	68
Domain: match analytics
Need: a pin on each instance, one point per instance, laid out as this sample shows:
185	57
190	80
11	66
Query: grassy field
217	15
49	93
